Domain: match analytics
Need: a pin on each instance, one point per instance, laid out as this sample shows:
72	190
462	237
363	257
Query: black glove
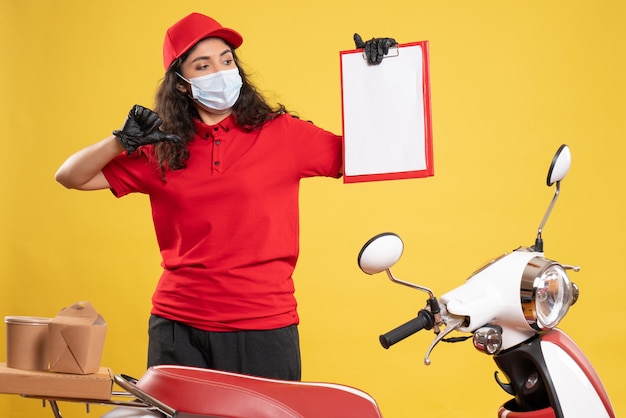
375	48
142	128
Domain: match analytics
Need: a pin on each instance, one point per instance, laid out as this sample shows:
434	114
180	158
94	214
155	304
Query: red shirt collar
202	129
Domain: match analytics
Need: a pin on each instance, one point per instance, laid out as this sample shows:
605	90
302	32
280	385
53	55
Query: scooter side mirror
560	165
380	253
558	170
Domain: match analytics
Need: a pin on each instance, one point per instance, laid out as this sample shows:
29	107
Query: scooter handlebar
424	320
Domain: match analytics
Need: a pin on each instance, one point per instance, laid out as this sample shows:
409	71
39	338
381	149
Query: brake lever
453	324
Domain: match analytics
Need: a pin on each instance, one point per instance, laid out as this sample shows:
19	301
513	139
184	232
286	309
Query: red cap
185	33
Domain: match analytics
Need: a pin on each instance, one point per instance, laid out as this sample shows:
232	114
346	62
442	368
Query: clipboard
386	115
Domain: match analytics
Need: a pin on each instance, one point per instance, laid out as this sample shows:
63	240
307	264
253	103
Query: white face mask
217	91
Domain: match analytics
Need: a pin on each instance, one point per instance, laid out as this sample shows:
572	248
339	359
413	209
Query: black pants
272	353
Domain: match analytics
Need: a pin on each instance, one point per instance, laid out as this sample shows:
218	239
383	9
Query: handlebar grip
424	320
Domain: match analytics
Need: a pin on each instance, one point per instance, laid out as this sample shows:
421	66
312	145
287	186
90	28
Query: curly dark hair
178	112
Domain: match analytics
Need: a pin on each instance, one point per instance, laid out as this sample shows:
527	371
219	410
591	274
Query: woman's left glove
375	48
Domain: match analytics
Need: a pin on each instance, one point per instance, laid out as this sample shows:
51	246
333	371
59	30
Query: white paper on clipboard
386	115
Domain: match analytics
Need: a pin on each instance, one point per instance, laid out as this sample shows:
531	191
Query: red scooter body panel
565	343
559	338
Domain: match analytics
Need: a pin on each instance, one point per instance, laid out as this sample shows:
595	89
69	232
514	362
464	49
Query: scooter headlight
546	293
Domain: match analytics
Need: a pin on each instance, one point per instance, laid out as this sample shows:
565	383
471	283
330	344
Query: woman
222	172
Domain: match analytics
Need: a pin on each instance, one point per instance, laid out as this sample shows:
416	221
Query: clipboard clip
394	51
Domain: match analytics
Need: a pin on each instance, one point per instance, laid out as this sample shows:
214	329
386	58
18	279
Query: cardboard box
96	386
76	340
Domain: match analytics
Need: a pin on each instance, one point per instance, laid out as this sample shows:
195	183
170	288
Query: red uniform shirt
227	225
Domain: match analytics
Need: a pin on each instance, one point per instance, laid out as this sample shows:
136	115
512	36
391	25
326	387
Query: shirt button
218	142
216	129
216	163
206	135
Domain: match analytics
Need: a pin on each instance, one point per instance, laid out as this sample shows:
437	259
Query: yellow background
511	81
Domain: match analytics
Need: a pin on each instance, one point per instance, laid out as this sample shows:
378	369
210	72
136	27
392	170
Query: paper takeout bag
76	340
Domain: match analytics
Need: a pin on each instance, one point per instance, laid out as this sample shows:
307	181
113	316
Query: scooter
510	307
